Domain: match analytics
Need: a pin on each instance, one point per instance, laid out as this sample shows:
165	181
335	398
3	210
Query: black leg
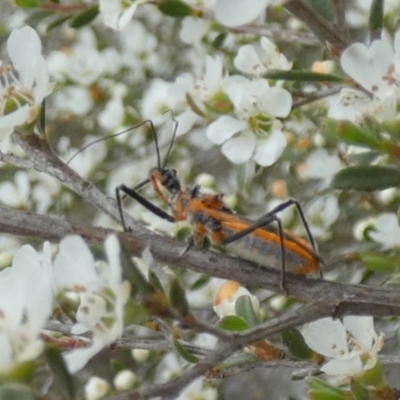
271	217
142	200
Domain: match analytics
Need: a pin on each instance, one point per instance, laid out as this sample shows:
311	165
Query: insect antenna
147	121
176	124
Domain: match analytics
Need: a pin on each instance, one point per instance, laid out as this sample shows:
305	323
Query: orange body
210	217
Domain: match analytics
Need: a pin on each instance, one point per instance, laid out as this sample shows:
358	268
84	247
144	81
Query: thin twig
323	29
339	8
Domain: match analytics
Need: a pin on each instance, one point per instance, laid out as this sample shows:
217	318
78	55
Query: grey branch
334	298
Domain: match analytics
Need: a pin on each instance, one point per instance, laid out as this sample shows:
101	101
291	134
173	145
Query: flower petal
74	264
269	150
277	102
224	128
349	366
239	149
362	329
368	66
326	336
247	60
238	12
17	117
25	48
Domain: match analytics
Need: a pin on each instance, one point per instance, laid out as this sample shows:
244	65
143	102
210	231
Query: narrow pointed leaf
62	379
84	18
349	133
189	357
177	297
376	19
301	76
366	178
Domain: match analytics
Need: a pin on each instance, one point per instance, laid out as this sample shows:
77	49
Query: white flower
24	94
26	298
377	69
139	52
102	294
321	165
124	380
162	96
371	67
117	14
140	355
239	12
258	131
199	390
387	230
321	214
96	388
349	354
193	30
255	60
112	117
211	83
17	193
74	99
85	161
83	63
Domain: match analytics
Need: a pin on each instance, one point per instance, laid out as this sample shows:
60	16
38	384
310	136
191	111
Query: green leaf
381	263
233	323
321	390
364	158
323	8
373	377
189	357
15	392
350	133
174	8
193	105
244	309
131	271
376	18
84	18
62	380
366	178
23	372
392	127
199	283
219	40
294	341
117	366
134	313
28	3
359	391
301	76
57	22
177	298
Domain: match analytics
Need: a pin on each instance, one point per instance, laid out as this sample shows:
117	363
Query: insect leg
266	220
142	200
270	217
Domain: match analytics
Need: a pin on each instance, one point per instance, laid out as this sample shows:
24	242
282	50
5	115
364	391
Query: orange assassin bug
255	241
